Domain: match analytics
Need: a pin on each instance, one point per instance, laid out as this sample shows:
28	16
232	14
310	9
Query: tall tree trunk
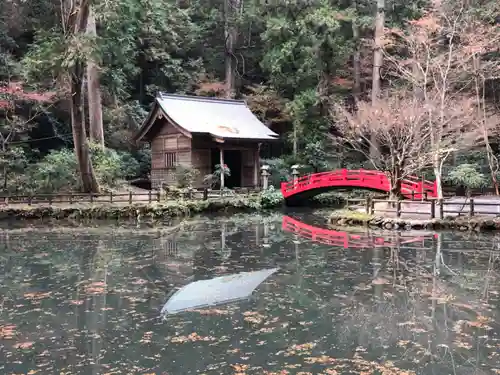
378	59
87	175
78	22
438	175
484	129
395	177
232	8
96	129
356	57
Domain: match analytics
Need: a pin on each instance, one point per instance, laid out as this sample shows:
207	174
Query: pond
89	300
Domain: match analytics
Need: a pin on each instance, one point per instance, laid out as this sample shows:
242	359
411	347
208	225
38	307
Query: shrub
58	170
467	175
212	179
271	198
186	176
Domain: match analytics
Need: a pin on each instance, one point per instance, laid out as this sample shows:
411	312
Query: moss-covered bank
153	211
462	223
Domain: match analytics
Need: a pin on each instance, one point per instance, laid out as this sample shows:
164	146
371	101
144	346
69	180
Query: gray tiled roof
222	118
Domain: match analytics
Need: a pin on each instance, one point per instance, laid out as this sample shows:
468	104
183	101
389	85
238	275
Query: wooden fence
431	208
124	198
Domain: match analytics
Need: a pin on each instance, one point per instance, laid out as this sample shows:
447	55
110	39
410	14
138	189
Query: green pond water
88	300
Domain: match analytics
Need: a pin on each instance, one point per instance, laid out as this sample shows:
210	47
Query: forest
407	87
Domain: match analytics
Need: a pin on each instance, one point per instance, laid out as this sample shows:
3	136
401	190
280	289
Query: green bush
271	198
186	176
467	175
280	170
58	170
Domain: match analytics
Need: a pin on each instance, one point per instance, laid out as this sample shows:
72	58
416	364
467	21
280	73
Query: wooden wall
170	141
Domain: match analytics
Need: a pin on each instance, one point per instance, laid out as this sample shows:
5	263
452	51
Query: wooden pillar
256	167
221	153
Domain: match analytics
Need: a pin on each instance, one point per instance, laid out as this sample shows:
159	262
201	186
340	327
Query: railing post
130	197
368	205
91	197
110	197
205	194
441	208
423	194
433	209
471	207
70	198
50	199
413	195
372	207
149	196
398	208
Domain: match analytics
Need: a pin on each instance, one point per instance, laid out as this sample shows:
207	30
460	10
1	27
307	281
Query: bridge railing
411	187
338	175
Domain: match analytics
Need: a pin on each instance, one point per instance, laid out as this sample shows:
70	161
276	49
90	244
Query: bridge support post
265	176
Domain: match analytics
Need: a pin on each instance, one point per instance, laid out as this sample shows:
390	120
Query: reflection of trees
427	309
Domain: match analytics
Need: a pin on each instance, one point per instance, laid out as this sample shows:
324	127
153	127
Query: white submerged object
223	289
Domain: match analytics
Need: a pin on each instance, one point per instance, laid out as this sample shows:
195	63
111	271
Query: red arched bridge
346	239
308	186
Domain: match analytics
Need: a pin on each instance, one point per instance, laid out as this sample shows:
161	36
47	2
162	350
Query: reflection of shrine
197	252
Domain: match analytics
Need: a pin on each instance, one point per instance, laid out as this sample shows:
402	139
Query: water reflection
88	302
217	291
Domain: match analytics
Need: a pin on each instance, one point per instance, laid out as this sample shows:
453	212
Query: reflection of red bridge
310	185
342	239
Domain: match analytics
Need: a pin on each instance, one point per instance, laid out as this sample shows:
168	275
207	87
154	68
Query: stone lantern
295	173
265	176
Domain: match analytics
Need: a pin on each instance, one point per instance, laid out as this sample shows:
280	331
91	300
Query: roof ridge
200	98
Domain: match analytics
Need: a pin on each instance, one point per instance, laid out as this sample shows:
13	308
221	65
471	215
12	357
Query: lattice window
170	159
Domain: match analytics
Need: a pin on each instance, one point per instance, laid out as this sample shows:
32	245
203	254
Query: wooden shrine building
202	132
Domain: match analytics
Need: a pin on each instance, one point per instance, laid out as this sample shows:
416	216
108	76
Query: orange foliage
15	89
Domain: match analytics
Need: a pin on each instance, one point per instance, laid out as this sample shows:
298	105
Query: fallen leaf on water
322	359
37	295
24	345
7	331
240	368
76	302
380	281
97	287
193	337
